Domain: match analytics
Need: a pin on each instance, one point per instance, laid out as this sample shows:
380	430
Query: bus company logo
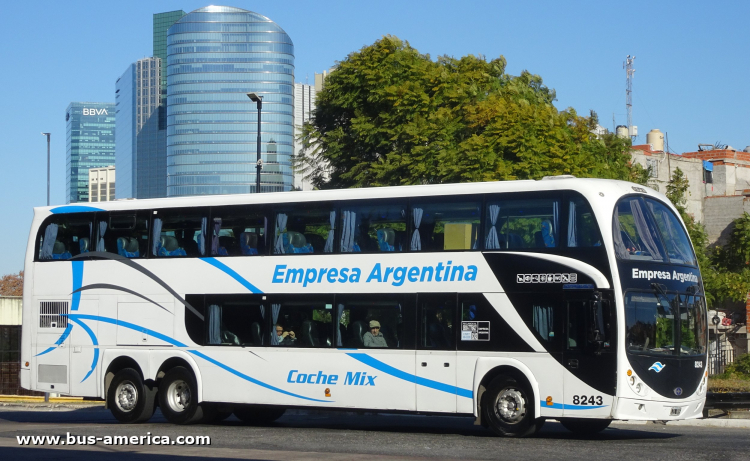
360	378
396	276
547	278
665	275
95	111
657	367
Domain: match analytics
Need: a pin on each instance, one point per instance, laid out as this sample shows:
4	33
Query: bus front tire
582	426
178	397
508	408
129	399
258	415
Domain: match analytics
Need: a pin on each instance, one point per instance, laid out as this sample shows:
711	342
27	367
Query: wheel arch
162	362
488	369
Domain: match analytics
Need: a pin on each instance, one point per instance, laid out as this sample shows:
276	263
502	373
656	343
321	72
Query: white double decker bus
514	302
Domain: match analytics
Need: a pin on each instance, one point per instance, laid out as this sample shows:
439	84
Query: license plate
675	411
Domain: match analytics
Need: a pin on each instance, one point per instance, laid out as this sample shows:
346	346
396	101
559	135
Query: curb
709	422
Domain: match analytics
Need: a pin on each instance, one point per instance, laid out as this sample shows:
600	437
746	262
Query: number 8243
587	400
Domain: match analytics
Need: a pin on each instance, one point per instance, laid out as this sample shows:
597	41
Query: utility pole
629	71
48	135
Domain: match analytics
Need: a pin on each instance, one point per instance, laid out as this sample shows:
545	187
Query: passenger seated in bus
168	246
386	239
545	238
249	243
60	252
286	338
374	338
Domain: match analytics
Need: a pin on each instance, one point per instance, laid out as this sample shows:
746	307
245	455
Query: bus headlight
632	380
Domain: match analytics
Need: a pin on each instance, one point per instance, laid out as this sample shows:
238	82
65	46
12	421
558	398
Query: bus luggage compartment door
436	353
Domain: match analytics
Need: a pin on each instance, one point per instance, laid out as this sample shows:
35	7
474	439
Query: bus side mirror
596	328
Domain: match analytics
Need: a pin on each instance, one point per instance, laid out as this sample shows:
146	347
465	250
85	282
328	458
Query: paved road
364	437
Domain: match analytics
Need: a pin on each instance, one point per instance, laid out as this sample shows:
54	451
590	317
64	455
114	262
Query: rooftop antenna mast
629	71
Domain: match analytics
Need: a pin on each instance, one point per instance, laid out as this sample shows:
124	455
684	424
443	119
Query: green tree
389	115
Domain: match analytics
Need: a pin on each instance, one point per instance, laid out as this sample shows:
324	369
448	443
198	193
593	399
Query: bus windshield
646	230
665	324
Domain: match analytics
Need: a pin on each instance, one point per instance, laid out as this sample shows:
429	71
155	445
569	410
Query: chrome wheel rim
510	406
126	396
179	396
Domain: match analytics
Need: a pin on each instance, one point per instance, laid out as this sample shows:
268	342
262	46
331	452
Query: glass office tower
141	147
162	23
215	56
89	143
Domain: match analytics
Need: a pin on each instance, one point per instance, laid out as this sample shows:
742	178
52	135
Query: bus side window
481	328
180	233
436	316
583	230
371	321
238	231
309	317
512	224
304	229
65	235
373	227
236	321
445	225
123	233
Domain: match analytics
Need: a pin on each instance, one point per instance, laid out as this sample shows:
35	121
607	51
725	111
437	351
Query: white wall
10	310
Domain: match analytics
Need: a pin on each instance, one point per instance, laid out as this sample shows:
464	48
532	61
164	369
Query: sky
691	81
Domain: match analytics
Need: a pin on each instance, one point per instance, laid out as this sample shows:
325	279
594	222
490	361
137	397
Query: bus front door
436	353
589	358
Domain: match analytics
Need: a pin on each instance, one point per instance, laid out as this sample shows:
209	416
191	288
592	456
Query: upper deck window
65	236
646	230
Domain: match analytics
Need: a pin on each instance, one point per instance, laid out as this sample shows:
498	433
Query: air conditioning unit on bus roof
559	176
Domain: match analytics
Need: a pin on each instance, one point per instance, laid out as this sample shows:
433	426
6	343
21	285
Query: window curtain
214	324
543	321
329	241
572	231
339	314
102	231
493	242
275	308
555	221
347	232
202	242
620	249
281	219
416	241
157	237
644	232
48	245
215	236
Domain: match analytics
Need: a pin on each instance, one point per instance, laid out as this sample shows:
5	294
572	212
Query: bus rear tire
178	397
130	400
258	415
582	426
508	408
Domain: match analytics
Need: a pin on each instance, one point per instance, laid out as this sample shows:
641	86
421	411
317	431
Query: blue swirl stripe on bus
77	283
395	372
94	341
232	273
565	406
74	209
174	342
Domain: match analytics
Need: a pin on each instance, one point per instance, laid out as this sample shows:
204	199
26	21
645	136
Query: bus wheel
178	397
508	407
258	415
130	399
585	426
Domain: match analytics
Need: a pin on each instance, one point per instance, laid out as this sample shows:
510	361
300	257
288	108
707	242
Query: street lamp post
259	163
48	135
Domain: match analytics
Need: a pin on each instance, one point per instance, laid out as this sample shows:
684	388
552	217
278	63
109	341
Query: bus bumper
656	410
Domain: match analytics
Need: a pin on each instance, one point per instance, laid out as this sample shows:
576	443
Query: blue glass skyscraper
215	56
89	143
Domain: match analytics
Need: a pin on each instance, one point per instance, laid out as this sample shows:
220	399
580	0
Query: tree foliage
389	115
12	285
